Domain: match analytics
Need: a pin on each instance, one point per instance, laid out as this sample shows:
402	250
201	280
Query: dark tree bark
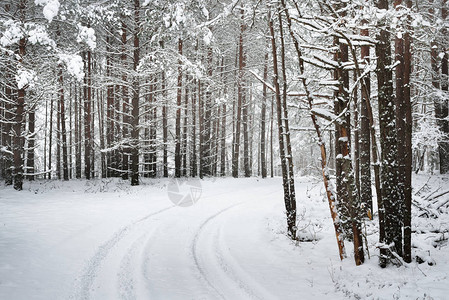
246	150
245	106
216	138
346	189
291	211
400	106
19	119
92	119
193	160
31	143
50	140
125	102
45	139
240	91
391	197
442	118
58	137
271	138
206	159
325	171
263	146
65	165
408	141
178	154
100	108
366	195
153	132
184	131
356	138
118	130
165	121
70	145
286	130
223	126
78	134
88	115
109	112
135	99
10	95
201	130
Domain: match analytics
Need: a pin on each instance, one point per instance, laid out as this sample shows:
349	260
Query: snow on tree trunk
240	91
135	99
392	201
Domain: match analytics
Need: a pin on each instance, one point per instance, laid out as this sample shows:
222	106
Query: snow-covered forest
231	149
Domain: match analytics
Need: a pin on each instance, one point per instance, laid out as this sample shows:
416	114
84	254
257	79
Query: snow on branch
51	8
324	113
263	81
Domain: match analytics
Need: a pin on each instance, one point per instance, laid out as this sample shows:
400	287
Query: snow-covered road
106	240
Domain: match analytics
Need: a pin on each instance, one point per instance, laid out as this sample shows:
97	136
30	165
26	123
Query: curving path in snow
106	240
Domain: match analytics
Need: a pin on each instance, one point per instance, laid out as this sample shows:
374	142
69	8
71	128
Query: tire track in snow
94	263
232	269
195	251
227	264
127	283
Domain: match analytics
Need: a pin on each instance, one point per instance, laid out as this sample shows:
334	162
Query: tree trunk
135	99
58	136
193	160
271	138
222	138
45	139
246	150
391	196
70	149
366	195
18	145
6	129
291	218
263	158
408	141
125	102
184	131
31	143
65	164
400	106
356	127
153	133
201	129
325	171
178	154
442	119
77	134
346	188
291	215
100	108
206	145
165	121
241	65
223	141
88	115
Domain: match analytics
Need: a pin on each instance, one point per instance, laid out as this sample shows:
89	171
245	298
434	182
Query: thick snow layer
12	34
51	8
87	35
25	77
74	64
103	239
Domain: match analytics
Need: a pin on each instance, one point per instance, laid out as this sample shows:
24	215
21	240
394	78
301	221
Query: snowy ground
107	240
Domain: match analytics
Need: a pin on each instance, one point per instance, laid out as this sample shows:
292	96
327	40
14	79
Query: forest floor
104	239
